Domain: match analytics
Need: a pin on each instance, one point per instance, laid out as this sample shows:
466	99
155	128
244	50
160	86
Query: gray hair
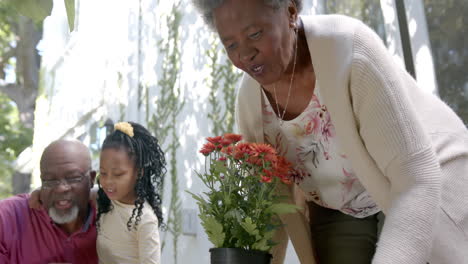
205	7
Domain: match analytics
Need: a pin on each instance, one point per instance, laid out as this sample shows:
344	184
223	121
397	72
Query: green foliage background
163	122
14	135
14	138
448	33
368	11
223	79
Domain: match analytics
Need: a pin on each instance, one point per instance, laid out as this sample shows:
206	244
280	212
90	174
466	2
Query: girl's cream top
116	244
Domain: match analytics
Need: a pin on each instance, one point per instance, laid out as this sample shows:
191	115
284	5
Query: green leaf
219	167
250	227
234	214
265	243
37	10
261	245
283	208
199	199
213	229
70	8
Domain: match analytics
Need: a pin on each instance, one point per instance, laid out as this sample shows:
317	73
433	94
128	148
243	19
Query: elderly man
64	230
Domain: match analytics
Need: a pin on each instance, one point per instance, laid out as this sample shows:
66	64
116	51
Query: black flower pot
239	256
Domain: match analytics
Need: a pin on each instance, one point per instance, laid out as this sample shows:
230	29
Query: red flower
234	138
265	151
214	140
255	160
257	157
265	179
207	148
241	150
286	180
282	169
268	173
227	150
225	142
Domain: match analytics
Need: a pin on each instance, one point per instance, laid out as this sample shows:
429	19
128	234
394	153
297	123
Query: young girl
129	207
129	214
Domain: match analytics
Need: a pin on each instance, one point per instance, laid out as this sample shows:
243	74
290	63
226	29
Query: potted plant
239	209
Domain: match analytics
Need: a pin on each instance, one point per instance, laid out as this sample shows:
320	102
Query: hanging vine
222	82
164	120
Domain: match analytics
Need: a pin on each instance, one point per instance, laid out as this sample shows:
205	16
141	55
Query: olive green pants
340	239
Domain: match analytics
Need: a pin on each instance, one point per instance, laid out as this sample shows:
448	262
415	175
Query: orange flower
282	169
264	150
207	148
241	150
234	138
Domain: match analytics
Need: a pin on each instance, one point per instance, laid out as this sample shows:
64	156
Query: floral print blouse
321	169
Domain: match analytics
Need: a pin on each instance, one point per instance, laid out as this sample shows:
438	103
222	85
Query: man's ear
92	177
293	13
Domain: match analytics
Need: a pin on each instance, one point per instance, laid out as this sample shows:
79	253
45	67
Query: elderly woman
365	141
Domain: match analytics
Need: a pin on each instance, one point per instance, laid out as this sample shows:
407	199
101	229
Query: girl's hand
34	200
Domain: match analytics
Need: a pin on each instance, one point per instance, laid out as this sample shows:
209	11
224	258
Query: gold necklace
281	118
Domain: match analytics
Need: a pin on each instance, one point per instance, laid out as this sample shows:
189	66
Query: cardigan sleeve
395	138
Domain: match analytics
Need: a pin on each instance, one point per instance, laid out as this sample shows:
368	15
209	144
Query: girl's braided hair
150	163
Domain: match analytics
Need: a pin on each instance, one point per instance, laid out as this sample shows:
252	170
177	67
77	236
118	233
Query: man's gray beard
64	218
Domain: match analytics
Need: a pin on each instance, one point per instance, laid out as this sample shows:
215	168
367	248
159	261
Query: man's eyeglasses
52	184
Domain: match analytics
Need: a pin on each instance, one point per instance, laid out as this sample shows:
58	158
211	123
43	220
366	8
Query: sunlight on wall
393	31
420	45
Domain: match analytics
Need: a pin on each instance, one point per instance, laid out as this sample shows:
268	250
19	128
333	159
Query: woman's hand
34	200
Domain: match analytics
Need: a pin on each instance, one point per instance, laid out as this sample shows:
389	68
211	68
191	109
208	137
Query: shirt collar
89	218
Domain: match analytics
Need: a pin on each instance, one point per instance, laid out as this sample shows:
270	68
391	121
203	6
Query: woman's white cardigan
408	149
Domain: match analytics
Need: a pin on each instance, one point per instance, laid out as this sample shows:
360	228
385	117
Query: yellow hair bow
124	127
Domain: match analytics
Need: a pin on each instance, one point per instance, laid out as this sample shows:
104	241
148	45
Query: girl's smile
118	175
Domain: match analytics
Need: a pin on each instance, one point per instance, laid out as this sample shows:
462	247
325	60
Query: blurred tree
368	11
19	79
448	34
14	138
20	32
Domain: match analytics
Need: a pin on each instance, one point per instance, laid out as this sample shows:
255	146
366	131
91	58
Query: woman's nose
247	54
